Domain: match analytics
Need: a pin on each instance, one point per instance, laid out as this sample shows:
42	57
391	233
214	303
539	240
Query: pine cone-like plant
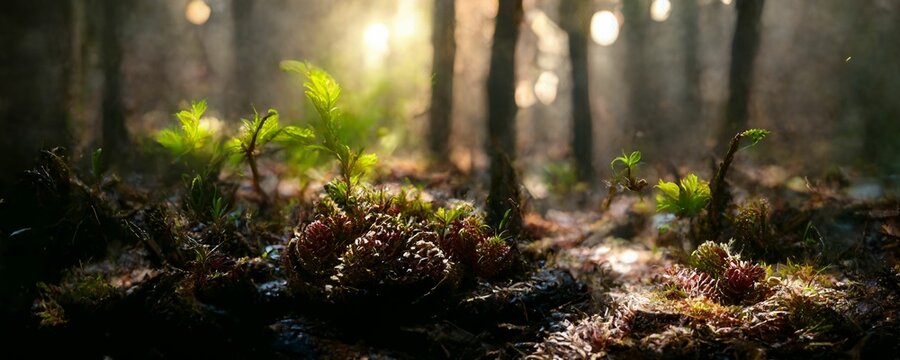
751	226
493	256
692	283
425	261
711	258
741	279
461	239
362	264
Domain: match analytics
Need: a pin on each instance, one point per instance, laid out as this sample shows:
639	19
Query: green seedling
624	168
686	198
255	135
204	200
323	92
719	195
98	166
190	139
624	174
445	216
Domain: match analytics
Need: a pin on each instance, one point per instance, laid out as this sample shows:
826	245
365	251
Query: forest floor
114	269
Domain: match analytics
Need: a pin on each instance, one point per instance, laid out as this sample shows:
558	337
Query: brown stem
718	199
251	158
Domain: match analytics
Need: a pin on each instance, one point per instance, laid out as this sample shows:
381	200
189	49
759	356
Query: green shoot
191	138
629	161
504	223
446	216
624	176
719	194
323	91
204	200
684	199
255	134
624	168
98	166
755	135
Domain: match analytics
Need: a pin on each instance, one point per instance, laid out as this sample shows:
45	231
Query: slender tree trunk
115	134
575	21
504	191
501	80
444	42
871	85
744	48
34	68
244	89
641	98
692	102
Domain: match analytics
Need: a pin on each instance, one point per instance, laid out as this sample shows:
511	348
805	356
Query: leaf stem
718	199
251	157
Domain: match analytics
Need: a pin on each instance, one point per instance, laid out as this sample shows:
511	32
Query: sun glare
660	10
405	19
375	38
524	95
545	87
604	28
197	12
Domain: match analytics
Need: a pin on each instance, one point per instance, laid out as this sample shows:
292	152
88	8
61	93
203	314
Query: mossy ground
123	269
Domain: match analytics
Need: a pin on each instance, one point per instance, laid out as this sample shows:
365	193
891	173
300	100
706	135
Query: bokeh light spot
604	28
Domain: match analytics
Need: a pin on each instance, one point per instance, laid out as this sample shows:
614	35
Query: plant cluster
78	294
687	198
371	243
624	170
717	274
363	242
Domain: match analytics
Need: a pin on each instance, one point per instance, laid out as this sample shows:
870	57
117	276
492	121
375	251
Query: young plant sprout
624	168
624	175
191	139
204	200
323	92
98	166
686	198
719	196
258	132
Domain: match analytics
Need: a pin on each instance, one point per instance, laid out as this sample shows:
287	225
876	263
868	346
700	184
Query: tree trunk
244	89
504	192
871	86
115	134
35	72
574	15
744	48
692	104
444	43
641	98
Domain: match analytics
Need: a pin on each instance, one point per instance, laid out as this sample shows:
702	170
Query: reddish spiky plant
741	279
691	282
493	256
361	262
711	258
425	261
370	257
461	238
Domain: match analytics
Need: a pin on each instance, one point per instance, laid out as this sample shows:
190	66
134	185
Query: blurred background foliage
825	80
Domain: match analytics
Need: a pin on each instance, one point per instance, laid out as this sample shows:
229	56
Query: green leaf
294	134
97	164
191	137
627	160
687	198
365	162
755	135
